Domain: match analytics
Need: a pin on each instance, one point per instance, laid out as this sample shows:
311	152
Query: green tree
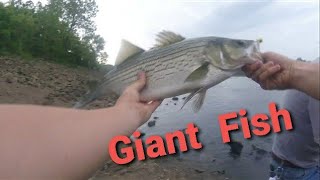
62	31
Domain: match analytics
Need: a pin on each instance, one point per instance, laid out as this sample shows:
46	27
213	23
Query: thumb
140	83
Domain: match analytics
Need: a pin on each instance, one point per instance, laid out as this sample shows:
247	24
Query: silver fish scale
158	62
162	72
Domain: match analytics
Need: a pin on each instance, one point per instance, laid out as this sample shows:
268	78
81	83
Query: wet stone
221	172
236	147
259	150
151	123
199	170
175	98
142	134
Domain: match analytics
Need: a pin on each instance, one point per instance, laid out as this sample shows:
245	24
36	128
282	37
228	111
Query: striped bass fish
176	66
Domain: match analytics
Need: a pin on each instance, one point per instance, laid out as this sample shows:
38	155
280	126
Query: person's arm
279	72
58	143
306	78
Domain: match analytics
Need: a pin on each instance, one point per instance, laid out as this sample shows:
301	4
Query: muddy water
228	96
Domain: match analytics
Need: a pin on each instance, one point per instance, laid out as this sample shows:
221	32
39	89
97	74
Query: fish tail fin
88	98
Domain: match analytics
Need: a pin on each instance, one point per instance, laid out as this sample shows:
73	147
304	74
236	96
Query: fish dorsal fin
127	50
165	38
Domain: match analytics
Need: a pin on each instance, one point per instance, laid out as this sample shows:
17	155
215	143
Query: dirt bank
43	83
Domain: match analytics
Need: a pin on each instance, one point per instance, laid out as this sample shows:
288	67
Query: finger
269	73
262	69
140	83
251	68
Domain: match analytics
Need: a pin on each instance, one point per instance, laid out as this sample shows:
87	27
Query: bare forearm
305	77
59	143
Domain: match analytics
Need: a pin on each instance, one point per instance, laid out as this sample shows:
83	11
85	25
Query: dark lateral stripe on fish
136	67
160	54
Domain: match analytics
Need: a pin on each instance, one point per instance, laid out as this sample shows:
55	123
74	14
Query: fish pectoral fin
198	100
199	73
127	50
165	38
191	95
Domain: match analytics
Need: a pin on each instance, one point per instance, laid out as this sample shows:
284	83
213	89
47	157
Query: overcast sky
287	27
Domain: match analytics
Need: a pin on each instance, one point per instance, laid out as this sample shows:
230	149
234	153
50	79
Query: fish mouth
252	54
249	55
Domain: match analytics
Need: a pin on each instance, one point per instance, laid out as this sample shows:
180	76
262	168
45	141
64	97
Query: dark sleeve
314	108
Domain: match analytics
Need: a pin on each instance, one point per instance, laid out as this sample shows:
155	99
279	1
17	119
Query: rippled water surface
229	96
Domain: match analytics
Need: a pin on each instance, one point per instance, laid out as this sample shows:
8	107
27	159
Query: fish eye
240	43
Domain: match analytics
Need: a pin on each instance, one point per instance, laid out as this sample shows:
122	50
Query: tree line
62	31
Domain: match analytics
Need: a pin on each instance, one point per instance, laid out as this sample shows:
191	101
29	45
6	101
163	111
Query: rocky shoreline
43	83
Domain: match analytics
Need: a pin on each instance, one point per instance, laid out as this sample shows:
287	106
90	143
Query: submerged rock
151	123
221	172
199	170
142	134
259	150
175	98
236	147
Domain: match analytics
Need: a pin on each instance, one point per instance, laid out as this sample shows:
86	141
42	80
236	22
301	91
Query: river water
229	96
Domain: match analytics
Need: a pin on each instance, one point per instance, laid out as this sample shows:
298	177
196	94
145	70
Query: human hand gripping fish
275	71
130	103
177	66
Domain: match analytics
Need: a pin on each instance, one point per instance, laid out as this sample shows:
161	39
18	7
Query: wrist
297	74
128	114
292	75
